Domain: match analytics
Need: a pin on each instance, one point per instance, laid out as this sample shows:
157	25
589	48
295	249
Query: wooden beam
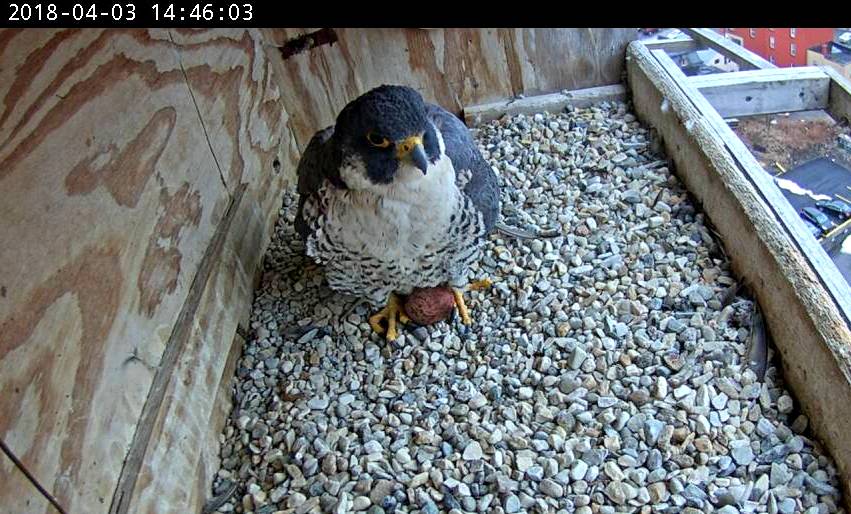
674	46
839	97
747	93
803	296
554	102
746	59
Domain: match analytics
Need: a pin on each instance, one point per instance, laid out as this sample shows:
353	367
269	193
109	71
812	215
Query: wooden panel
116	197
767	245
280	36
554	102
231	81
318	83
453	67
747	93
181	426
746	59
26	498
557	59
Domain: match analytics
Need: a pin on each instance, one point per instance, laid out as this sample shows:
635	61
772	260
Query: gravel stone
601	373
551	488
741	451
473	451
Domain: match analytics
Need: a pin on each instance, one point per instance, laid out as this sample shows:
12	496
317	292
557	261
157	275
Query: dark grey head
384	128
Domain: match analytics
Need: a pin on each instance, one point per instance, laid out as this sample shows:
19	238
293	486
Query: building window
771	59
793	49
792	32
753	33
771	41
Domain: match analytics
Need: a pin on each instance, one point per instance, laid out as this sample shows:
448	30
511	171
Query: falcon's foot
478	285
393	312
462	307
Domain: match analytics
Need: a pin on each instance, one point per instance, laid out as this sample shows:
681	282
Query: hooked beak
413	147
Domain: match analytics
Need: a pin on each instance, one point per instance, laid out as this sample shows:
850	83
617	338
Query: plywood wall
453	67
122	153
141	172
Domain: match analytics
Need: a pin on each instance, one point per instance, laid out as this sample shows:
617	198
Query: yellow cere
405	146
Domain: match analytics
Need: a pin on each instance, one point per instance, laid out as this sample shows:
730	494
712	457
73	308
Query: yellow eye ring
374	140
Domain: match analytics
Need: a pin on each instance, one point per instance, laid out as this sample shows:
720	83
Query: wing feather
482	185
318	163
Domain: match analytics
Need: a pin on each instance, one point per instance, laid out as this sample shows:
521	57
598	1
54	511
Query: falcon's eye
378	141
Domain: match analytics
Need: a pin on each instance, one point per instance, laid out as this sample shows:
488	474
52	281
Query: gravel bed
603	372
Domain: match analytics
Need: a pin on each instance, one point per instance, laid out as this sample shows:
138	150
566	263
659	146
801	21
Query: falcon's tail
519	233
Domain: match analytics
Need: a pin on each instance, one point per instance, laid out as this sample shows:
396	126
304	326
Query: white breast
399	222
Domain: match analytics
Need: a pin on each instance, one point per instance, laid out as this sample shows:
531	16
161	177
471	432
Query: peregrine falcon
395	196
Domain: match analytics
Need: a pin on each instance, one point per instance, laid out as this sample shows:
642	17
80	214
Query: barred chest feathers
418	231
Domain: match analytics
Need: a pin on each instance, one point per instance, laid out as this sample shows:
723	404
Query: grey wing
316	165
482	186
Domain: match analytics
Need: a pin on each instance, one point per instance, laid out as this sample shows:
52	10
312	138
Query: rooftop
820	177
836	52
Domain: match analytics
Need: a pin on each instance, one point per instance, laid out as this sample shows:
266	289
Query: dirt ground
791	140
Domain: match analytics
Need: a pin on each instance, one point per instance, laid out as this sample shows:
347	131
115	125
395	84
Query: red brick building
783	47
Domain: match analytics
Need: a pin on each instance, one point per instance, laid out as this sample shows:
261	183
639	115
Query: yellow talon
391	313
478	285
462	307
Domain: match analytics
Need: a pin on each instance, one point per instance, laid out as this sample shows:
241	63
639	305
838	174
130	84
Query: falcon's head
385	135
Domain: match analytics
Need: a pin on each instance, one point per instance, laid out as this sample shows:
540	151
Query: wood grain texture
237	100
806	324
180	423
27	497
113	195
452	67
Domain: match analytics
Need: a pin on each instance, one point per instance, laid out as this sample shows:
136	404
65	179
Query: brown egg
429	305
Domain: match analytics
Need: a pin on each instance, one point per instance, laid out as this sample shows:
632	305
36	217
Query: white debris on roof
796	189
